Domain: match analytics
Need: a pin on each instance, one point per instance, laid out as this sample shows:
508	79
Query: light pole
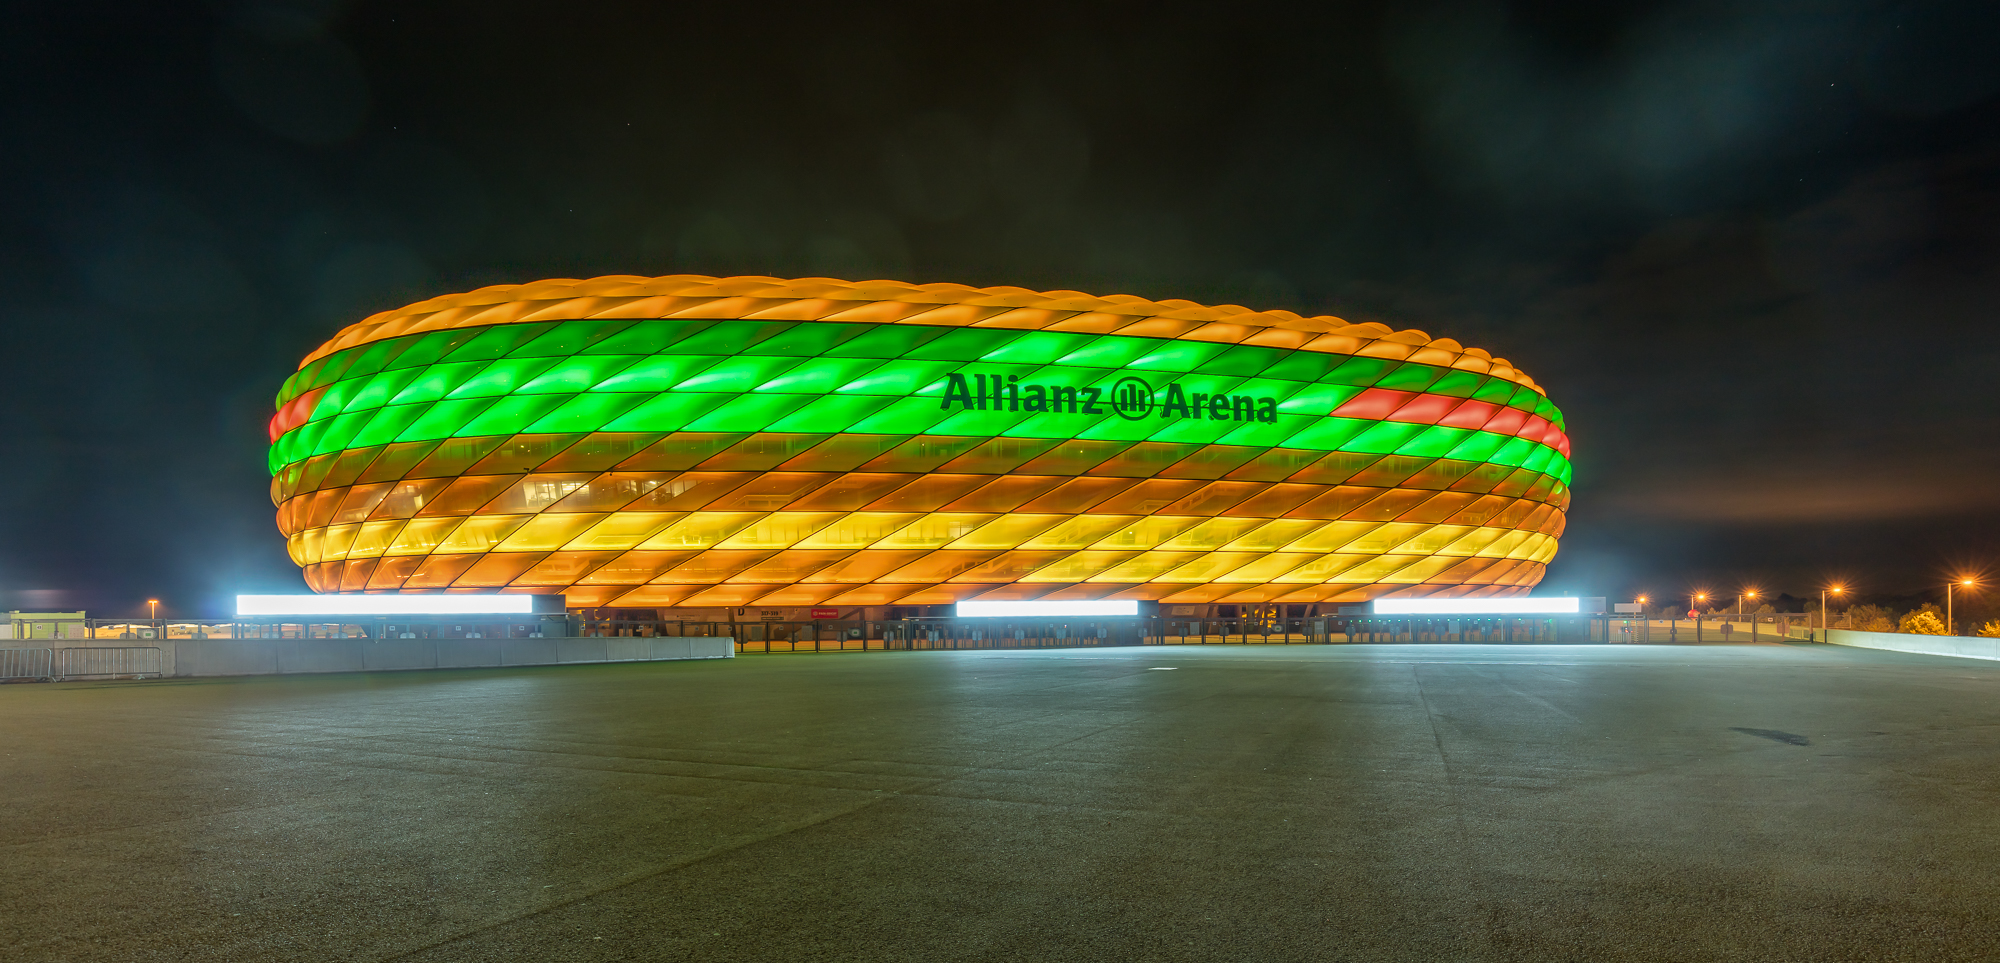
1949	629
154	605
1699	597
1825	621
1645	621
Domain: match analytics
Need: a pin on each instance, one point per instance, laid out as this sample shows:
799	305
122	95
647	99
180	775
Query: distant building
690	443
45	625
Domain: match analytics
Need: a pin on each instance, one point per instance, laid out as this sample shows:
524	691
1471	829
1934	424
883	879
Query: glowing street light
1750	594
1826	626
1949	629
154	604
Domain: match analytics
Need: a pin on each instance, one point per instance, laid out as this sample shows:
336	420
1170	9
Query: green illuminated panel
658	373
496	341
386	425
581	373
501	377
568	338
429	348
436	381
382	387
586	412
445	419
513	415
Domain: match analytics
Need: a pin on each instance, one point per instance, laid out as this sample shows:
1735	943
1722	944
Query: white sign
1047	609
385	605
1568	606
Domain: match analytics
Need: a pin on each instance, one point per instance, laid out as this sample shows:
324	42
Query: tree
1990	630
1923	621
1870	618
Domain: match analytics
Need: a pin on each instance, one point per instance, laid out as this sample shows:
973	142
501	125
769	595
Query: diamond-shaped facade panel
691	441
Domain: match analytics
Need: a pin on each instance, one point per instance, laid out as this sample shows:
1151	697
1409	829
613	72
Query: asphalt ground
1430	803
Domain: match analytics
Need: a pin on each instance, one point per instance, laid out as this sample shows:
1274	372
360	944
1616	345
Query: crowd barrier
94	662
109	662
27	665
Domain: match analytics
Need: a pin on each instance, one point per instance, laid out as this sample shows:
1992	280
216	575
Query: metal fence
18	665
87	662
116	662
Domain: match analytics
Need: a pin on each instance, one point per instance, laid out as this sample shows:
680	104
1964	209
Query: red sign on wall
826	613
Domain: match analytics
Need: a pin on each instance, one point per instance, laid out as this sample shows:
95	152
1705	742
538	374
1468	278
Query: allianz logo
1130	398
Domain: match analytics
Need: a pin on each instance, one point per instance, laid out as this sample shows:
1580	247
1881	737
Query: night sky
1749	247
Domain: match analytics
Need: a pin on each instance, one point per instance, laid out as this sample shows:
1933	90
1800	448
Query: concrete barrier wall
218	657
1960	646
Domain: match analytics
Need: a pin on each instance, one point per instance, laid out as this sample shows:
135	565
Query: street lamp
1949	629
154	604
1750	594
1825	625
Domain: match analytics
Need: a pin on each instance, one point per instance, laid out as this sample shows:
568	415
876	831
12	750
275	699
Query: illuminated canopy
694	441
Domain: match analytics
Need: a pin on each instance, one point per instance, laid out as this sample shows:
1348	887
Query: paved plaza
1424	803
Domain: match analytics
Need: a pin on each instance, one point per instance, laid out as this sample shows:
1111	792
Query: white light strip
1049	609
385	604
1568	606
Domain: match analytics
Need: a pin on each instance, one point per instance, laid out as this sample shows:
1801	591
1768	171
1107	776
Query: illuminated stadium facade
691	442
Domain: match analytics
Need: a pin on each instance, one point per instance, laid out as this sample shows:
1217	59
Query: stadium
691	443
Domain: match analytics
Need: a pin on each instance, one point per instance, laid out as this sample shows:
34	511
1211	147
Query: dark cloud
1746	246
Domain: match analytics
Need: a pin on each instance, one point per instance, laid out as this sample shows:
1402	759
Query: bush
1922	622
1990	630
1870	618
